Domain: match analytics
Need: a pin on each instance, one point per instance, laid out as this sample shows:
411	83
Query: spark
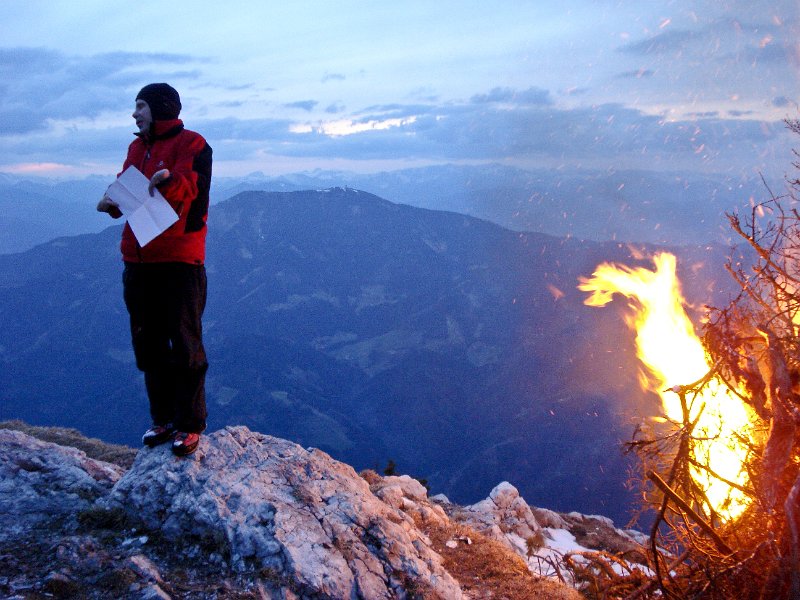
557	293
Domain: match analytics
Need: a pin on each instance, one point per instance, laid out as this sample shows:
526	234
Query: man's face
142	116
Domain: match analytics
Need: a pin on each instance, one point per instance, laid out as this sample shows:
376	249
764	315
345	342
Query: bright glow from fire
674	356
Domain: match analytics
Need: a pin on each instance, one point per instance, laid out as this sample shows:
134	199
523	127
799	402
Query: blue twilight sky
365	86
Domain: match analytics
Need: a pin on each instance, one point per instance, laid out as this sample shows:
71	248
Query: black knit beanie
163	100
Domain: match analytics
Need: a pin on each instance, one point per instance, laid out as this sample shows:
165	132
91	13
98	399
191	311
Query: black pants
166	302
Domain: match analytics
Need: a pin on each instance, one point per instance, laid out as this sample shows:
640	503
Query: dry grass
94	448
486	569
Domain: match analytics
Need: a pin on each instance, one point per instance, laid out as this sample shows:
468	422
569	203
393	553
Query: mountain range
380	333
644	206
625	205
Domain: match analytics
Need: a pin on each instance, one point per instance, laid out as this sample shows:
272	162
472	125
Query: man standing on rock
164	282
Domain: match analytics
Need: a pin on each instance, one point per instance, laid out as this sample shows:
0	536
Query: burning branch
724	473
683	505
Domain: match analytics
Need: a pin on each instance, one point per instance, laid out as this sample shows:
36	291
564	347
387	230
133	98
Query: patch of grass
415	589
534	542
370	476
488	569
64	436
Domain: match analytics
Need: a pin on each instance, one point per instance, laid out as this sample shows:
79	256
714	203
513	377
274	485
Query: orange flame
674	356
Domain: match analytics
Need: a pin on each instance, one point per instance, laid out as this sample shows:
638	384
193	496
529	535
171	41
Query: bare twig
662	485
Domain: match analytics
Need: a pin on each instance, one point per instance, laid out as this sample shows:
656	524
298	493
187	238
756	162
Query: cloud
397	111
508	95
496	131
307	105
636	74
667	41
245	129
782	101
721	40
424	94
41	86
575	91
15	62
711	65
344	127
335	108
487	127
710	114
333	77
770	52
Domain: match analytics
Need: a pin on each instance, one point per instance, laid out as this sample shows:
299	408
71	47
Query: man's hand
158	177
107	205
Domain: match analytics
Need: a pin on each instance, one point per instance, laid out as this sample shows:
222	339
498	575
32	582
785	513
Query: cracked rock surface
41	482
254	517
266	504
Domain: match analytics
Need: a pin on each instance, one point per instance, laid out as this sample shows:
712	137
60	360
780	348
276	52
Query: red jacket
188	157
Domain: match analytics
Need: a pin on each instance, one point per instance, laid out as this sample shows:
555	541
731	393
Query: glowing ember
674	356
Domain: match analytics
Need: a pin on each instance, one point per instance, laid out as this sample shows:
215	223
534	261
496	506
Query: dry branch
723	547
754	344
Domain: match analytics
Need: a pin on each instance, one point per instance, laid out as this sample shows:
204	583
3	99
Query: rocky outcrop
42	482
506	517
542	537
253	516
259	503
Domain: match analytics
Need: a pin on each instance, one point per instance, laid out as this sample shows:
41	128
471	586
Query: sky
368	86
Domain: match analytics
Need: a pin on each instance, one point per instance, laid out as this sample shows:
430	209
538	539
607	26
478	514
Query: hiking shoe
185	443
158	434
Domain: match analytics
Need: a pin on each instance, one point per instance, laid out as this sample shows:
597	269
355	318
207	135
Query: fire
674	356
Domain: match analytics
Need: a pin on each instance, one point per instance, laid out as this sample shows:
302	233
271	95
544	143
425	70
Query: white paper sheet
148	216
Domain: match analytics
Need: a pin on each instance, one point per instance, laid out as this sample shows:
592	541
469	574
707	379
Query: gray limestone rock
269	505
42	482
506	517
